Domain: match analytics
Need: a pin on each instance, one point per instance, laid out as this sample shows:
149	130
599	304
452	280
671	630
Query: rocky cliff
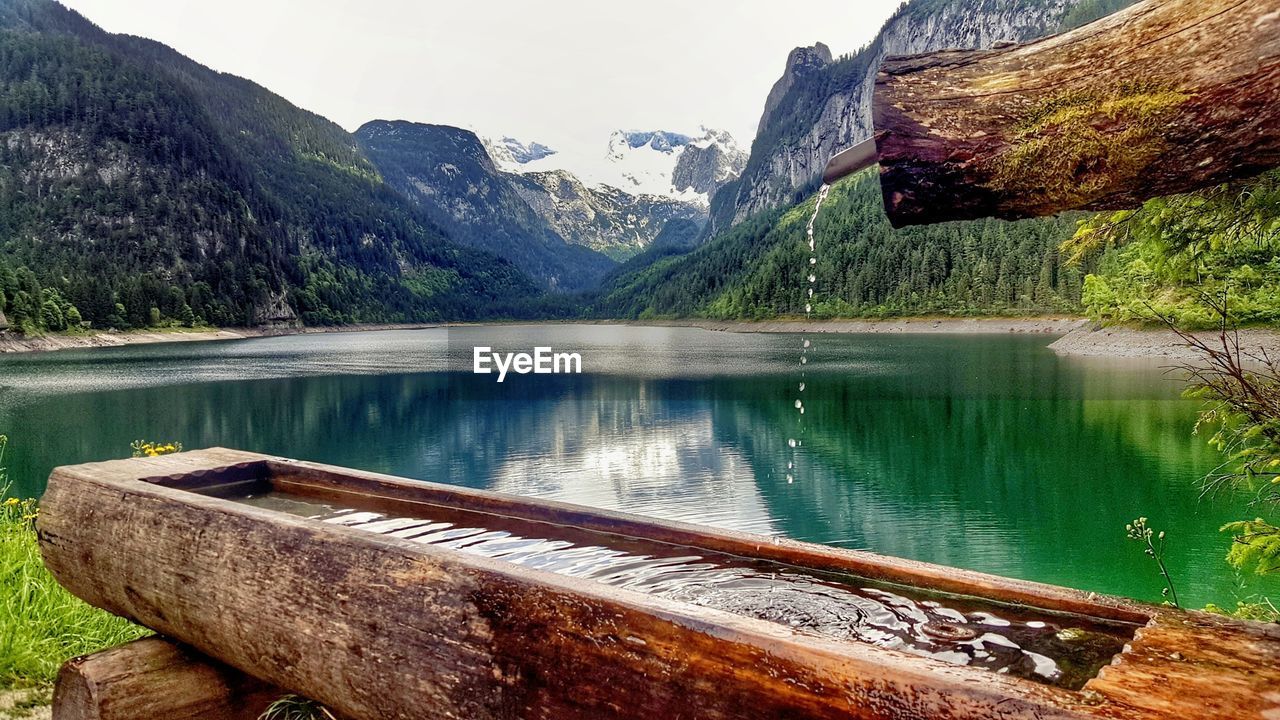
823	105
602	218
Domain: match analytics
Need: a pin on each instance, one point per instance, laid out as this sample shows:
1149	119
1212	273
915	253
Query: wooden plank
1164	97
153	679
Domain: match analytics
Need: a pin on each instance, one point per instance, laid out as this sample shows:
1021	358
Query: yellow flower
11	502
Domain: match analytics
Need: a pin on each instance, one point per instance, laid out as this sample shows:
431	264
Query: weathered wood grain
377	627
1164	97
154	679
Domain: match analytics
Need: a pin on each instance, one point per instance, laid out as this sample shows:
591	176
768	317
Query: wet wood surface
378	627
1164	97
154	679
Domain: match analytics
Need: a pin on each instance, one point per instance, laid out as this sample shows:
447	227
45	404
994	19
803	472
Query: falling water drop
812	278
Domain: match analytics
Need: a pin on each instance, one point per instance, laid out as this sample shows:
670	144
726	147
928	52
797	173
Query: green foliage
1242	394
1160	260
41	624
1255	544
758	268
1259	611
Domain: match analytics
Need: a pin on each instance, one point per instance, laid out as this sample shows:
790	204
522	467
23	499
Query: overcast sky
563	72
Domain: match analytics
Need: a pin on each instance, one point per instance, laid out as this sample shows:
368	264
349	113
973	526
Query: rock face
4	322
708	164
801	63
821	106
603	218
449	174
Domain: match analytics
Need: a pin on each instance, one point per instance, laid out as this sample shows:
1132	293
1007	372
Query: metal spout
847	162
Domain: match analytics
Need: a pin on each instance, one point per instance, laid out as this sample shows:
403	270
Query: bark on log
1165	97
153	678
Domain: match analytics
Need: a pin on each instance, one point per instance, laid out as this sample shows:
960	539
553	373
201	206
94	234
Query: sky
562	72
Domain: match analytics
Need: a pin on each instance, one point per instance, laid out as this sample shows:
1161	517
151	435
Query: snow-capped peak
510	154
639	162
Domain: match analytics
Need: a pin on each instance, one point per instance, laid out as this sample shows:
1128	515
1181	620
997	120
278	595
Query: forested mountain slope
448	173
759	268
139	188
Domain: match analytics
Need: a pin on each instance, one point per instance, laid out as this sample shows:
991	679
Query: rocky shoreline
1125	342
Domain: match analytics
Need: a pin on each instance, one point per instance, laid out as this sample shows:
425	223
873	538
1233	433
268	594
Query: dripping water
809	273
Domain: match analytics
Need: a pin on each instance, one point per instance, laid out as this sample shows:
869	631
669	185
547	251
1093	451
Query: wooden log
155	678
379	627
1164	97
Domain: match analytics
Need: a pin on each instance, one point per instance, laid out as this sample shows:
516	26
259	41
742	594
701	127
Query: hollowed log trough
379	627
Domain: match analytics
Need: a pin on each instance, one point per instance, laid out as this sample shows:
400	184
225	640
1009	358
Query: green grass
41	624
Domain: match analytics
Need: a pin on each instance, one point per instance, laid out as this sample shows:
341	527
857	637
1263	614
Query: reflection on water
1055	649
986	452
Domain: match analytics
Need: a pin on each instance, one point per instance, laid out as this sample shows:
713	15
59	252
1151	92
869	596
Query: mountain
602	218
140	188
448	173
759	268
822	105
509	151
660	163
754	261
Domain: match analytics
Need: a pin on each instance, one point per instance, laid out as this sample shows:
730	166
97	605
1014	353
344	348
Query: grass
41	624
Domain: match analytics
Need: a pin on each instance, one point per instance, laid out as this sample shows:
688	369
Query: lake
987	452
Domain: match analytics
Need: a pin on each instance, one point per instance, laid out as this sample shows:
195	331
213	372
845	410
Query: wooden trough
345	587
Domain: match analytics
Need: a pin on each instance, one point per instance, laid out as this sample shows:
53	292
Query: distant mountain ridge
661	163
449	174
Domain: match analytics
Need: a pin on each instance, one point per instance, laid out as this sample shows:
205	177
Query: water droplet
792	442
799	404
790	479
804	360
808	307
813	278
790	465
806	343
813	261
801	387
